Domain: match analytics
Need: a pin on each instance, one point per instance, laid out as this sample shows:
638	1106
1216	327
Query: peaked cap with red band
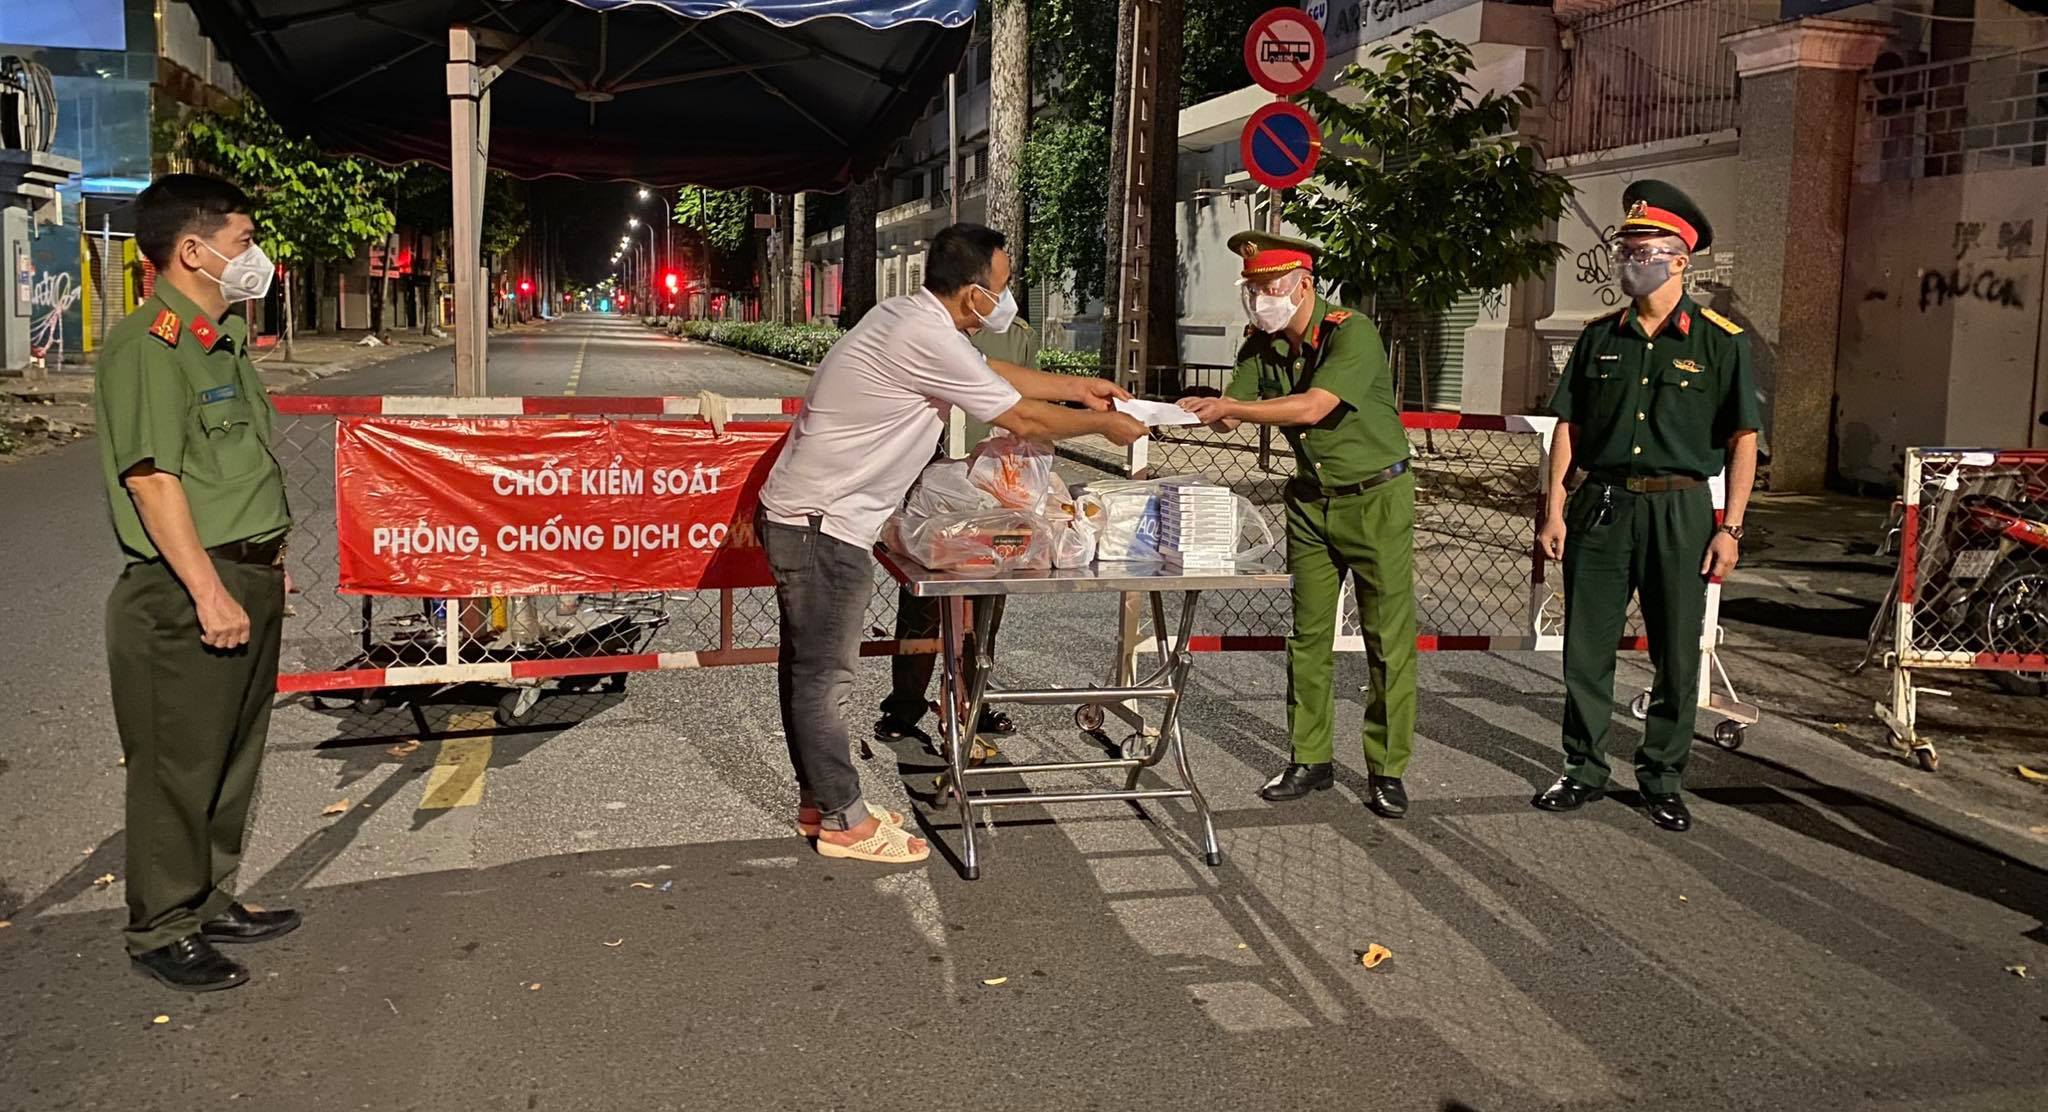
1268	256
1660	209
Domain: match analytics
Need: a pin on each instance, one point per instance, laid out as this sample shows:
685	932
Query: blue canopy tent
784	95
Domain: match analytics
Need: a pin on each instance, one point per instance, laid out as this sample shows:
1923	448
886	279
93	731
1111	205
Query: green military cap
1267	255
1660	208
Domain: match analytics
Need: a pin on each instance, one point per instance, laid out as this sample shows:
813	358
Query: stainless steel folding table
965	629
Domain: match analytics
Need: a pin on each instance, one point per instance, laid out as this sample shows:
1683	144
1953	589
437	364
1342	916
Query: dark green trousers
192	724
1651	545
1371	536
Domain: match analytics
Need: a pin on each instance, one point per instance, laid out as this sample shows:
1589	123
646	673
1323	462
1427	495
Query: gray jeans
822	587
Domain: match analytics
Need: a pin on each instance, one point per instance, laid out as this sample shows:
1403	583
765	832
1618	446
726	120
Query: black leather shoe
1386	796
1299	780
1668	811
995	722
243	925
1566	795
191	964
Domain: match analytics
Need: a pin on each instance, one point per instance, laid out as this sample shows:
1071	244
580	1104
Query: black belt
1649	484
268	553
1305	488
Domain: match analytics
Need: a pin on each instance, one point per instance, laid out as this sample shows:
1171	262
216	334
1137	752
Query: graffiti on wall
1596	267
50	296
1962	281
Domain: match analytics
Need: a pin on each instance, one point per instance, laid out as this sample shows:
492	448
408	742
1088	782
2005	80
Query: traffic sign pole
1285	53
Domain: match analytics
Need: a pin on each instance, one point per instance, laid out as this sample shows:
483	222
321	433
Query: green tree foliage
724	217
1066	160
425	199
308	205
1422	195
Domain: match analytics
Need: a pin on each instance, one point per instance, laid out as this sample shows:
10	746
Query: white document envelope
1155	414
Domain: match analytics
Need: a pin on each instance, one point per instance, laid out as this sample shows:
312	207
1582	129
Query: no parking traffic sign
1284	51
1280	145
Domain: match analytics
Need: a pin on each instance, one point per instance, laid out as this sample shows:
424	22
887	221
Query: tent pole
953	145
465	131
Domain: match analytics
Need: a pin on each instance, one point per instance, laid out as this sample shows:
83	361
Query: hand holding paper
1155	414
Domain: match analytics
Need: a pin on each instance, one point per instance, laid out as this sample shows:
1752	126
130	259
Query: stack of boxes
1198	525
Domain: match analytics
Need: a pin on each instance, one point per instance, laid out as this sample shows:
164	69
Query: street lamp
633	222
643	194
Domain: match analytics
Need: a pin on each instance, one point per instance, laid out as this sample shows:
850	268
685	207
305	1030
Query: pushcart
964	629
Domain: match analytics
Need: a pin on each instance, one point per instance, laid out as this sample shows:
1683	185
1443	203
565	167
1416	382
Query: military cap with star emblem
1659	208
1268	256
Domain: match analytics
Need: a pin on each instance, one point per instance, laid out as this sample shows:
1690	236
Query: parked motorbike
1983	583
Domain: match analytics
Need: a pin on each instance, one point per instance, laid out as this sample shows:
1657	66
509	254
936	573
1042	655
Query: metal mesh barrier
1972	577
1478	493
358	658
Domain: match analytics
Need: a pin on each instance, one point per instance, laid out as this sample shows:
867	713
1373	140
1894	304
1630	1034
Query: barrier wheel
1088	717
1926	759
1640	707
517	706
1730	735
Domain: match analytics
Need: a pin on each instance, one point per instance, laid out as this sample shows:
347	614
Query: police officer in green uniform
193	622
1320	373
1657	399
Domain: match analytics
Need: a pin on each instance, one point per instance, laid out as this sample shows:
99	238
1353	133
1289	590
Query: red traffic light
670	280
525	285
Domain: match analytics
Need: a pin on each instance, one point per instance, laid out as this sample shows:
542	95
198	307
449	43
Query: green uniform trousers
192	724
1650	545
1372	536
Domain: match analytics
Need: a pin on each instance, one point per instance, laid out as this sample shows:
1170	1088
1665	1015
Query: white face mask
1271	312
247	276
999	319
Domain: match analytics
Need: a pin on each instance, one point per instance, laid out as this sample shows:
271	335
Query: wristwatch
1732	530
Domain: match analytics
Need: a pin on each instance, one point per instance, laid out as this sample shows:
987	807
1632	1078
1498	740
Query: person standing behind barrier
1320	373
874	409
194	621
917	619
1656	399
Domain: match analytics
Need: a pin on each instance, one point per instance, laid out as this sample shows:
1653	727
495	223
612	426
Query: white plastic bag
988	540
1016	472
1073	530
944	488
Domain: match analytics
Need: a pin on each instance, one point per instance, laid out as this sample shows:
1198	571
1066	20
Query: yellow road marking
576	372
457	778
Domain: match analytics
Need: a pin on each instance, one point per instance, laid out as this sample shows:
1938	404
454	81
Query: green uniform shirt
1342	354
1658	405
1019	345
178	389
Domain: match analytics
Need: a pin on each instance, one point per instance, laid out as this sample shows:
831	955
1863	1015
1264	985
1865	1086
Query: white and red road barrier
1972	579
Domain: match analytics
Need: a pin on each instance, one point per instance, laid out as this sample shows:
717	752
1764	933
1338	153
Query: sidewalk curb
783	363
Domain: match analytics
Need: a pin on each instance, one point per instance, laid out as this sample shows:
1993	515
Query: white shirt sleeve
943	364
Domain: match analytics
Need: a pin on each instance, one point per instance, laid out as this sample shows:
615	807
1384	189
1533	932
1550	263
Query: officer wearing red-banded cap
1320	374
1656	400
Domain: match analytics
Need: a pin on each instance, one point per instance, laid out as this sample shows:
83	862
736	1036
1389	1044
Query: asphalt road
608	909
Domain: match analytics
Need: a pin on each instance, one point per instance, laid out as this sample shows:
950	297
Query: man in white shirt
875	407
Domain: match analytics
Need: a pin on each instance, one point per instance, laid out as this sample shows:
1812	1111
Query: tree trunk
857	268
1162	342
290	316
1009	117
1113	214
799	304
423	267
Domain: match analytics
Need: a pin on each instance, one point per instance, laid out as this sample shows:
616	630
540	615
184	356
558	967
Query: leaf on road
2037	829
2019	971
102	880
994	981
406	749
2029	774
618	942
6	923
640	884
162	1019
534	987
338	807
1373	955
1682	899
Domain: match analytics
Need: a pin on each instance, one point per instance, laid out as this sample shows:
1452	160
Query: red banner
462	508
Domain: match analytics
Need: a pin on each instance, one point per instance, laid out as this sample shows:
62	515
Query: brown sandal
888	845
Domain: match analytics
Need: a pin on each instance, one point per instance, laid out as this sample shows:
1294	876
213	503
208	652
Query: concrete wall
1941	318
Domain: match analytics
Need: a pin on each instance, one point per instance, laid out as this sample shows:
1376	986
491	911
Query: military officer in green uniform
1320	373
1657	399
193	623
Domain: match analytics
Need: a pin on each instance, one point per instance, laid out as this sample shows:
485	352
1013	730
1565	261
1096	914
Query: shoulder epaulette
1337	316
1728	326
165	327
